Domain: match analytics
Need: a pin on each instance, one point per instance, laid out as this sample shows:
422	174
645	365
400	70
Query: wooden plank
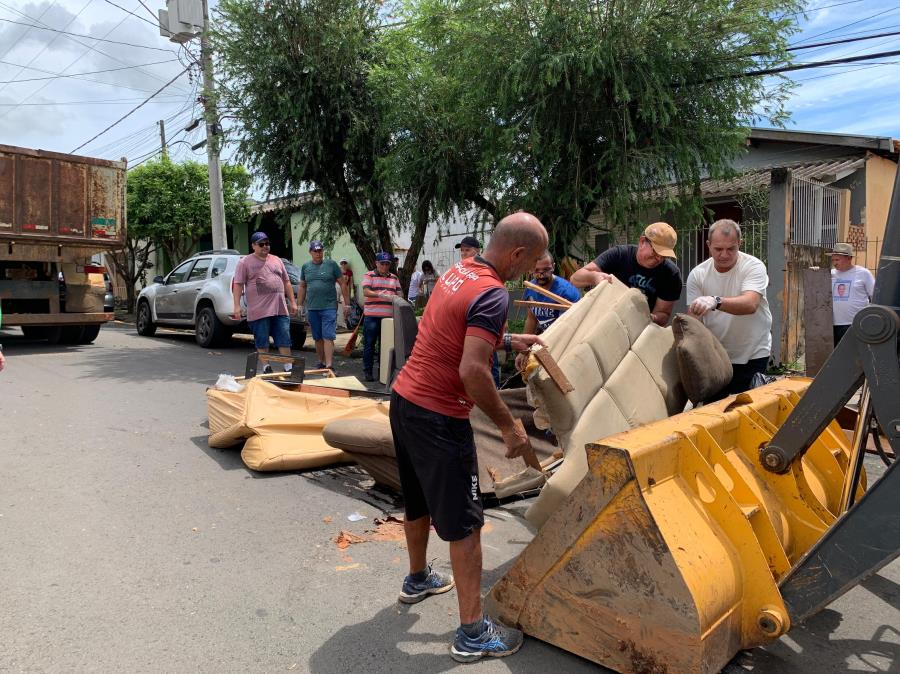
546	293
541	305
817	319
552	368
324	391
528	454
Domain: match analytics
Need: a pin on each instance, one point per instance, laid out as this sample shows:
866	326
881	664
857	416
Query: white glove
703	305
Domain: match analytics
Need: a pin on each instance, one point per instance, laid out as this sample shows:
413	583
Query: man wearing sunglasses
270	297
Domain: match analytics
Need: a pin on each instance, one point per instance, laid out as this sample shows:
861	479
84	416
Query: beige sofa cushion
625	374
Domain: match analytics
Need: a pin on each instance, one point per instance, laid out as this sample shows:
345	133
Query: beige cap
843	249
662	237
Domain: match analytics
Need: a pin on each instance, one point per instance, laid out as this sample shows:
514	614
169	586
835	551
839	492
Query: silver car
197	294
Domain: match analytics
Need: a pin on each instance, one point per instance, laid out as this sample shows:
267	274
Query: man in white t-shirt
852	288
728	293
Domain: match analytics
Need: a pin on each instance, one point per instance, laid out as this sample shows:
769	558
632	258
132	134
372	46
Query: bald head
516	243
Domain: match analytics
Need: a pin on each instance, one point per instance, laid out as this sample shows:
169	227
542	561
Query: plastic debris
227	382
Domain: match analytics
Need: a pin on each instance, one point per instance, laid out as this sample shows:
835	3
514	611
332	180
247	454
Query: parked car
109	298
197	293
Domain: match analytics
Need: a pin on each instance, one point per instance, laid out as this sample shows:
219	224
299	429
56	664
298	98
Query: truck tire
89	334
209	330
34	331
144	320
298	336
70	334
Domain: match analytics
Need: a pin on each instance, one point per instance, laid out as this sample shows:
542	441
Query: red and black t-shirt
469	300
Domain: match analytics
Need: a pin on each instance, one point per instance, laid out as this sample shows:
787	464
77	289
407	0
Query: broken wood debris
552	368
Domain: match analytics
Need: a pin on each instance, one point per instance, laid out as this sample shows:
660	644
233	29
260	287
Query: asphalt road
129	545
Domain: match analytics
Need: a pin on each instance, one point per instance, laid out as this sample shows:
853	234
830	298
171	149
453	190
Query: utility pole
181	22
162	137
216	197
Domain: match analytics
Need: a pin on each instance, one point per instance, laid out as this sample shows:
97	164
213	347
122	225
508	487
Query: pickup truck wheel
144	321
89	334
209	330
298	336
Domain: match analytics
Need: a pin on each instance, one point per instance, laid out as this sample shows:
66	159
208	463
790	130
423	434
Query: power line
861	38
47	46
852	23
130	112
819	9
88	47
91	72
128	11
88	37
82	79
805	66
120	101
844	72
28	30
152	13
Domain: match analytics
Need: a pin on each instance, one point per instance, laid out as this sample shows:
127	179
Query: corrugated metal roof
824	171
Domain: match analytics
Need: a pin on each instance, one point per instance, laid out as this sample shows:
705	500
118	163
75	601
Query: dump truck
58	214
679	542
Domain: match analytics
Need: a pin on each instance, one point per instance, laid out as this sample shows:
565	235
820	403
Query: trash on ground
227	382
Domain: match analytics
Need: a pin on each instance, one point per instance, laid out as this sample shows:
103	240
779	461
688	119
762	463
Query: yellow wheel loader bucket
667	555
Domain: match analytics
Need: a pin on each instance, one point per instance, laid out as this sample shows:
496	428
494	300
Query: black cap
469	241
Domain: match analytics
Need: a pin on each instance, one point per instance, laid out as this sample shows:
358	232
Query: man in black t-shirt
648	266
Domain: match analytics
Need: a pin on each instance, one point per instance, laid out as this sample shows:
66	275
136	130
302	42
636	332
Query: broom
352	341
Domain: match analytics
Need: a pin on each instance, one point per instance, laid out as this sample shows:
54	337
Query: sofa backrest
625	373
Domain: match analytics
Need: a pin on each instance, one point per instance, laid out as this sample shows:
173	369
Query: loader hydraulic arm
867	536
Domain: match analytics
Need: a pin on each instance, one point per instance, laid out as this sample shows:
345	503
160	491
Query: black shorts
438	468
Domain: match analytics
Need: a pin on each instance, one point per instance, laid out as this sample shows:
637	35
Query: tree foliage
168	203
595	104
294	74
561	108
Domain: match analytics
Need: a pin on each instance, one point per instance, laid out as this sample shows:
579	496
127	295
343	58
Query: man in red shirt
448	372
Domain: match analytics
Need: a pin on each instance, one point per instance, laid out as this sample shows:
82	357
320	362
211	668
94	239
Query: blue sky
61	114
853	98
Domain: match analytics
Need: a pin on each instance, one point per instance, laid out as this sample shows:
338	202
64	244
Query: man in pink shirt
270	297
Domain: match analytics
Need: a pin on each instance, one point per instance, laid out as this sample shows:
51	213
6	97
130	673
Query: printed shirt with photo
851	290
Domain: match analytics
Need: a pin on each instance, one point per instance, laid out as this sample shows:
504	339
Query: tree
556	107
168	208
326	99
171	202
133	261
294	75
596	104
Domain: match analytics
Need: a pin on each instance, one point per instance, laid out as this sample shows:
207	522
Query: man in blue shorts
270	297
317	279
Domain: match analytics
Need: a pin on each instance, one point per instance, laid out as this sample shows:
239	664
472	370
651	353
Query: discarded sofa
625	372
282	429
370	445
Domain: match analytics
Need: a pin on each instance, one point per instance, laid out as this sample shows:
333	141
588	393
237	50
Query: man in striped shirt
379	286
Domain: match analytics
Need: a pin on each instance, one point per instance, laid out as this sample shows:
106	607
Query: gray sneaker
415	591
496	641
